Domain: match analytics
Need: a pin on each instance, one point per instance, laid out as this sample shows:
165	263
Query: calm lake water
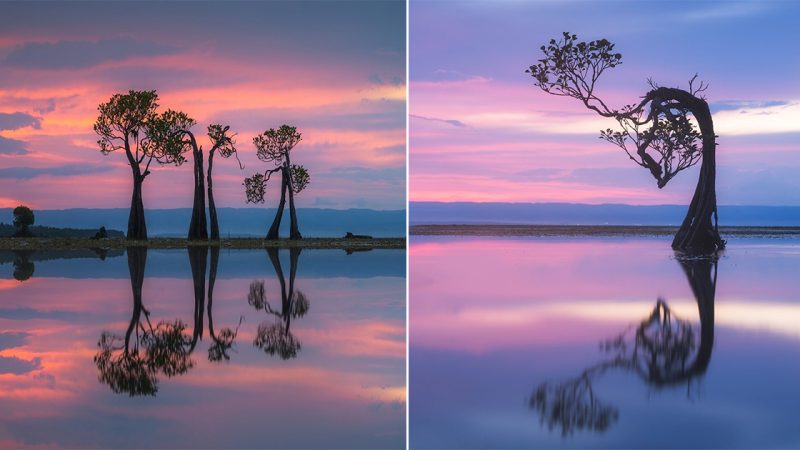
172	348
603	343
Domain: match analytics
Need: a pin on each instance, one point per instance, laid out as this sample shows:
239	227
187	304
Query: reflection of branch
276	338
131	363
572	406
223	341
663	351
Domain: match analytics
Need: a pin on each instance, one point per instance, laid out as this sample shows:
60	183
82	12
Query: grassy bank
587	230
166	243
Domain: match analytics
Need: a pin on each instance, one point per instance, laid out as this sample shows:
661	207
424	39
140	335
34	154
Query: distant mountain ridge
314	222
584	214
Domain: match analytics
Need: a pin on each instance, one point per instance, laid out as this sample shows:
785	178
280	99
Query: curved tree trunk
212	208
294	230
198	255
699	232
285	297
137	228
197	226
702	276
276	223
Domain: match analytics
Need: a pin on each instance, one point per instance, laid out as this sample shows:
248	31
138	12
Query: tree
223	142
23	218
659	133
129	122
275	146
171	132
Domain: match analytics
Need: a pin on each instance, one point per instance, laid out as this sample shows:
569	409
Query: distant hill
314	222
583	214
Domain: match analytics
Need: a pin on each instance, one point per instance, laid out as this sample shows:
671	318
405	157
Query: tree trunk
137	228
198	256
197	226
276	223
294	231
212	208
699	232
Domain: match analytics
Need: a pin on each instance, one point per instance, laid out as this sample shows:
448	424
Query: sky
334	69
481	131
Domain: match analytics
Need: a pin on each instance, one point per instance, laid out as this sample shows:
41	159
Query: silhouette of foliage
23	218
274	145
300	178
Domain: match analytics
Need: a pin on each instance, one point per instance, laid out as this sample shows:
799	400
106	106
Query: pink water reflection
346	388
480	294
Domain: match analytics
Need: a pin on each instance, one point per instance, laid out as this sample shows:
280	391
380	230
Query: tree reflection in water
663	351
276	338
222	342
131	364
23	267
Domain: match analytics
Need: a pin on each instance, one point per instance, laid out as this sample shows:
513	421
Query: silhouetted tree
275	338
275	146
23	218
223	142
658	133
124	123
171	131
664	351
131	364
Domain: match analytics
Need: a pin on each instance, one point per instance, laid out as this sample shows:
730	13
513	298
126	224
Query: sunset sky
481	131
336	70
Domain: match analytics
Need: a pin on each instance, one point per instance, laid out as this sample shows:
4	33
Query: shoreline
587	230
396	243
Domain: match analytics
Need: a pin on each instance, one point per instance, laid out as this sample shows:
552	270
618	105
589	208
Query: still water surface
603	343
177	348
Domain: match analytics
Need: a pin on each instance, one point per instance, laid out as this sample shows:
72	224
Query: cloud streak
81	54
68	170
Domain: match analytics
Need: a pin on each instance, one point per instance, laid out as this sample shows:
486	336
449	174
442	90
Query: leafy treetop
275	145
